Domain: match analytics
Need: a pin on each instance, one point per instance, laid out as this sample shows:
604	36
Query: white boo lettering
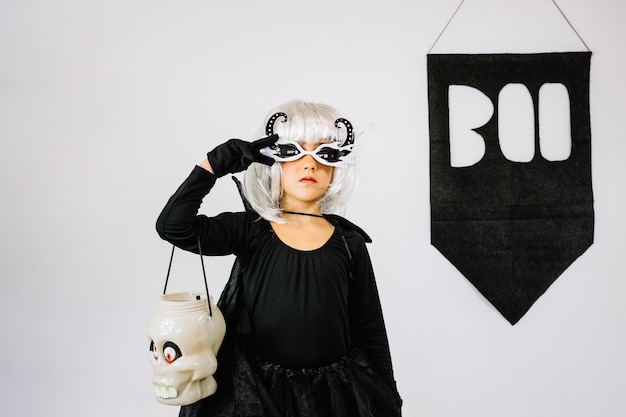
470	109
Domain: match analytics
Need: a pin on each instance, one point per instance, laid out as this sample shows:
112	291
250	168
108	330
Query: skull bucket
185	336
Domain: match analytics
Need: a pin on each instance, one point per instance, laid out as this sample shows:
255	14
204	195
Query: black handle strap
206	286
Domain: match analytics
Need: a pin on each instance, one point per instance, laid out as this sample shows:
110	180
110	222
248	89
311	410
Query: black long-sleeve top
306	308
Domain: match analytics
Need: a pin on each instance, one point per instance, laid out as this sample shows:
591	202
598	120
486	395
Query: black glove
236	155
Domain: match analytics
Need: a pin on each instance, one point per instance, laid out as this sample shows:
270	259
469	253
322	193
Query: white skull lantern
184	341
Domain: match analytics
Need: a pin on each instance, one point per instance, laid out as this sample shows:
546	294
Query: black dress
305	330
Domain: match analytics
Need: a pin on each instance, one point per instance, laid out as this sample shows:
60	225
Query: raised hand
235	155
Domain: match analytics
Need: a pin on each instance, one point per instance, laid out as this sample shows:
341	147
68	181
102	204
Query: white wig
306	123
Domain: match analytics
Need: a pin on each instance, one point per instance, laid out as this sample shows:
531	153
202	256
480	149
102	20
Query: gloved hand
236	155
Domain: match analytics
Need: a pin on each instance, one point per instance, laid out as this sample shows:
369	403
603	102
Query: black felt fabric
510	228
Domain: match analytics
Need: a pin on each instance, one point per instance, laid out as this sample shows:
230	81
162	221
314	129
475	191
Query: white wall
106	106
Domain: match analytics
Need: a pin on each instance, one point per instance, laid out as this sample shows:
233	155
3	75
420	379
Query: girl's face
304	181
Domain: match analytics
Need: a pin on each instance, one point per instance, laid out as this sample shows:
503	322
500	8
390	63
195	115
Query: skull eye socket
153	349
171	352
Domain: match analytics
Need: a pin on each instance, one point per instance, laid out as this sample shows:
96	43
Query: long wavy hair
307	123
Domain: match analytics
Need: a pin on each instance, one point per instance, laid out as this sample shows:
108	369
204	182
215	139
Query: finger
266	160
253	154
265	142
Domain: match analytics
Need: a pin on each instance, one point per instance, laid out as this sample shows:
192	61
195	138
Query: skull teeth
162	391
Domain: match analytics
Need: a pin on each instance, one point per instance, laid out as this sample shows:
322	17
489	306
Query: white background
106	106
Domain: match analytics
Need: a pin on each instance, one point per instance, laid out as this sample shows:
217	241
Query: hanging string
570	25
169	268
463	1
206	286
446	26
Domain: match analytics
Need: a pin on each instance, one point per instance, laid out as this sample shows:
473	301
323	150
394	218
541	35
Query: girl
305	334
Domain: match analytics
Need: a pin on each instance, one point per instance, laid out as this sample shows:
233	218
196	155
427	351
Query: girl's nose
309	162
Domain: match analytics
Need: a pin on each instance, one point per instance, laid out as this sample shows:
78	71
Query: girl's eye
288	150
331	155
171	352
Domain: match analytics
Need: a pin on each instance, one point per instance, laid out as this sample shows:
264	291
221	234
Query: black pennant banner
511	228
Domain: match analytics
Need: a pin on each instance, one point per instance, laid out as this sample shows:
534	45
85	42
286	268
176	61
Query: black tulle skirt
346	388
